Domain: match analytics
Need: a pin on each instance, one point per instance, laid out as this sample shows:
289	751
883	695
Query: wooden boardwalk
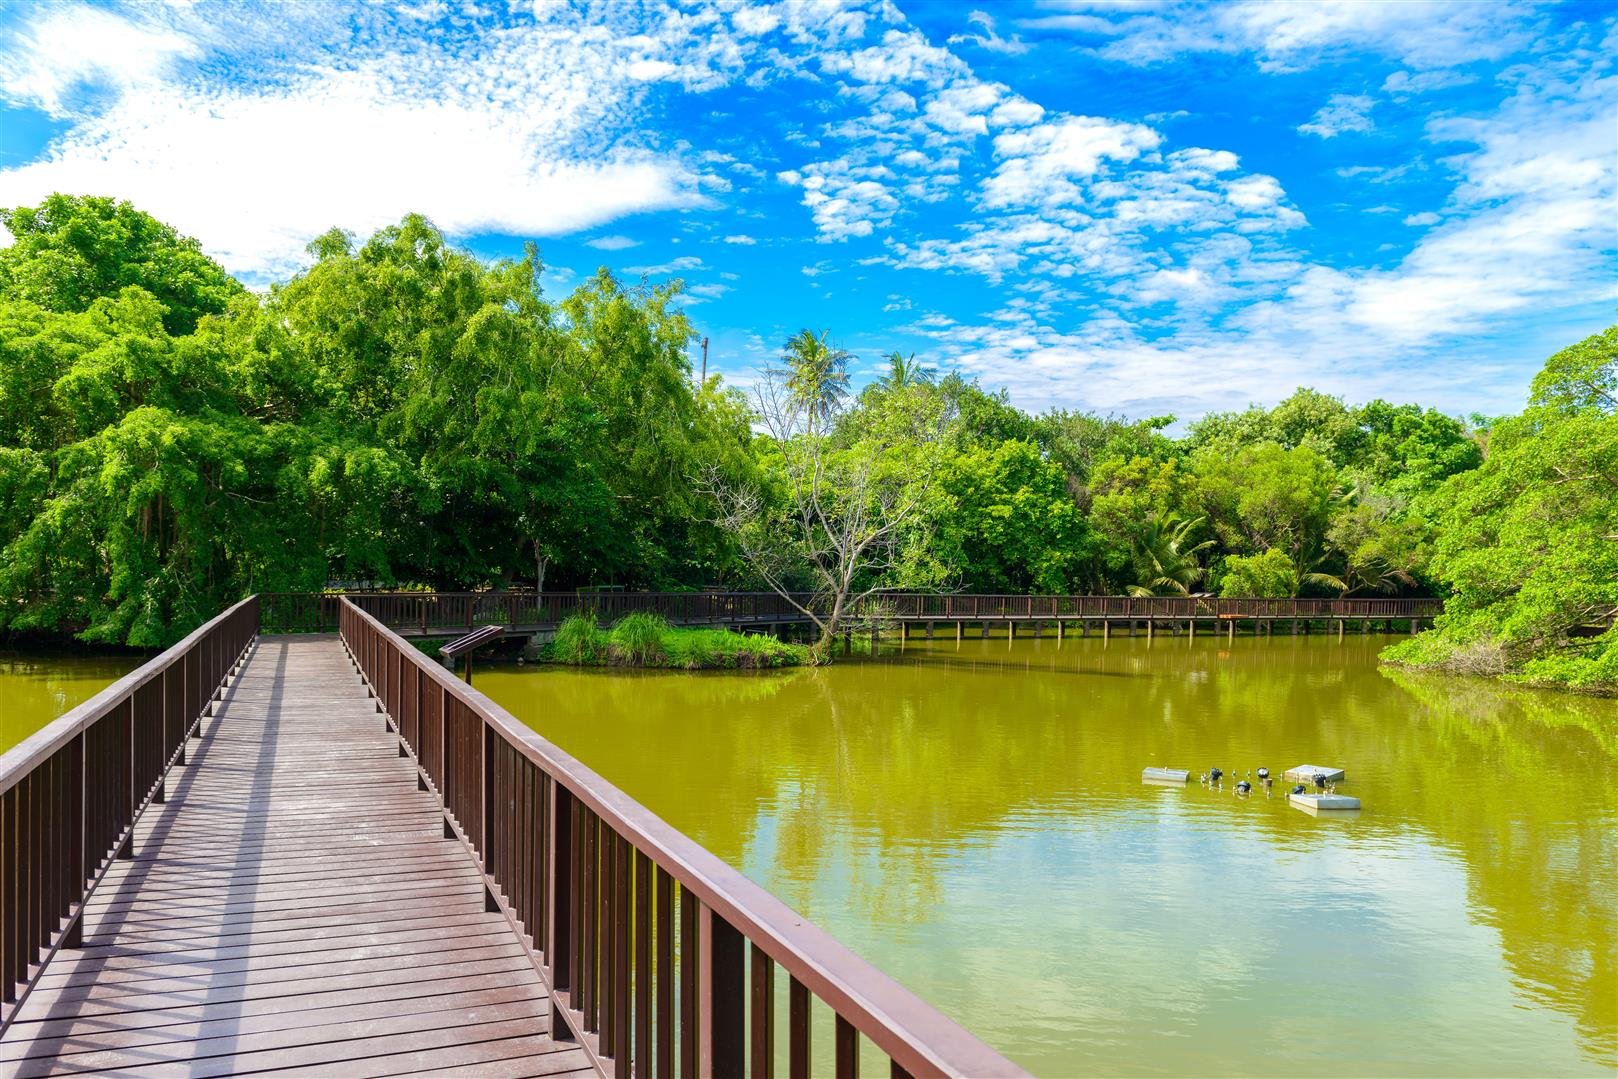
292	906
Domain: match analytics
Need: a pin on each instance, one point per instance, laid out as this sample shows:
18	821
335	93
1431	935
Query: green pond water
971	819
36	687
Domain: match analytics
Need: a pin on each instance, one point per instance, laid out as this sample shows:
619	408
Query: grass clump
645	640
578	640
637	639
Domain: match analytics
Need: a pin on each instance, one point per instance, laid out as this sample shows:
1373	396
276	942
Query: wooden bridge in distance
450	614
322	854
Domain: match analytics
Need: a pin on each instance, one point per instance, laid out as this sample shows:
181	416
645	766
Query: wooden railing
661	957
429	612
71	792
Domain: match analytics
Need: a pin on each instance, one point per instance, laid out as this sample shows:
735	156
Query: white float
1165	775
1316	803
1306	773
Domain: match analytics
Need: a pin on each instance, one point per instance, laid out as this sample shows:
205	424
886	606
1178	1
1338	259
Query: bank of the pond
970	817
645	640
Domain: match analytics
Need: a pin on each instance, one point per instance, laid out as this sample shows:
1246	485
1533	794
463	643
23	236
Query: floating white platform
1306	773
1317	802
1165	775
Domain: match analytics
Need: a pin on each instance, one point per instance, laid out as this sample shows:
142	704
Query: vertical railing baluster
722	975
666	974
690	1015
643	965
798	1028
762	990
848	1050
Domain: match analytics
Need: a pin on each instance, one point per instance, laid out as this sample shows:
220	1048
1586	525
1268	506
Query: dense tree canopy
1528	541
404	413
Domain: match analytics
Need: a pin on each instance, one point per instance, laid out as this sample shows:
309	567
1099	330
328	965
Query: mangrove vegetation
401	412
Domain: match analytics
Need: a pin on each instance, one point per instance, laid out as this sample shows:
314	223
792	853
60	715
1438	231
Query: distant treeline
402	411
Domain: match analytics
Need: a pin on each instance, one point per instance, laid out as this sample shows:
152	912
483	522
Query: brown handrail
71	792
591	877
443	611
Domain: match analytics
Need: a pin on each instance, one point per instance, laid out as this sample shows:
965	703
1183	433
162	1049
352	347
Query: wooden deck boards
292	907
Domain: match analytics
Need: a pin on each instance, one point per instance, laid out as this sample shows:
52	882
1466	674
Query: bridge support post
1058	630
959	626
985	631
1294	627
1191	628
929	631
1106	623
1365	626
1339	631
1011	630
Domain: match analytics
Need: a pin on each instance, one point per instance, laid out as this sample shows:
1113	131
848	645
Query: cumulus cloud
257	166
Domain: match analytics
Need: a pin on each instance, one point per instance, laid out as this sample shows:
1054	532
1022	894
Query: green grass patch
645	640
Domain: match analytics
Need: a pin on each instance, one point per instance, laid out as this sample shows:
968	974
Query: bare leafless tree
850	486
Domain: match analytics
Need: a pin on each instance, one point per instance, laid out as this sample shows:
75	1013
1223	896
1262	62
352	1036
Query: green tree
69	251
1007	523
1528	541
1166	561
816	373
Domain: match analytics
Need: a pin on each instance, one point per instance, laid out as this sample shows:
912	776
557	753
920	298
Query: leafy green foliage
1528	541
69	252
1009	522
1269	574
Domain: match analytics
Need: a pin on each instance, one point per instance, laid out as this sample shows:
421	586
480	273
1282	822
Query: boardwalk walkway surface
292	906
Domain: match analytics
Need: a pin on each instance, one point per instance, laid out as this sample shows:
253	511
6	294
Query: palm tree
1166	564
903	373
817	372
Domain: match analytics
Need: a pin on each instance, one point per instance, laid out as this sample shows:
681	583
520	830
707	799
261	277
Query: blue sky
1143	208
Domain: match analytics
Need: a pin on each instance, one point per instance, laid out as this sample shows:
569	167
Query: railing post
721	995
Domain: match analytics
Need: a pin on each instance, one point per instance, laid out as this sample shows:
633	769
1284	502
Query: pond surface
971	819
36	687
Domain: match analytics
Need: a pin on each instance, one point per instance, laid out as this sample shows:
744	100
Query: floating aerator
1164	775
1316	803
1306	773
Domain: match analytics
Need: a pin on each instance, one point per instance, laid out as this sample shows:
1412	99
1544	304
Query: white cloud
1423	219
1041	165
355	138
70	47
1341	114
1288	35
986	38
1403	83
675	265
612	243
744	240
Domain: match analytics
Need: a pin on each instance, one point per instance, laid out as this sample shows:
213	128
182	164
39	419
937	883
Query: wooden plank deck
292	907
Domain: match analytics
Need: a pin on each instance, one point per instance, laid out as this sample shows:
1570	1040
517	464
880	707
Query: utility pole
704	381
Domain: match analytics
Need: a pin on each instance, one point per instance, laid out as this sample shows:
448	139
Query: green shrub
637	639
579	640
